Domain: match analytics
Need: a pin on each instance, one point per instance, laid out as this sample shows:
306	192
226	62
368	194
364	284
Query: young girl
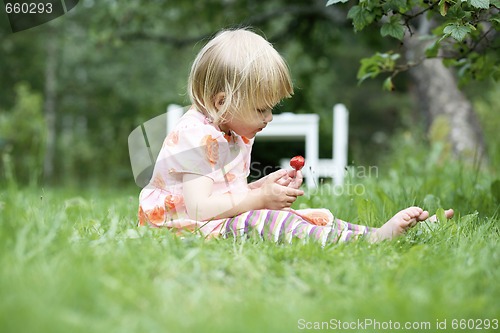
199	182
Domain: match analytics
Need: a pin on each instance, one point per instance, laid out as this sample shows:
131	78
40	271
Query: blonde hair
245	67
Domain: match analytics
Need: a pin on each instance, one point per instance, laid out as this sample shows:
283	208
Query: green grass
73	261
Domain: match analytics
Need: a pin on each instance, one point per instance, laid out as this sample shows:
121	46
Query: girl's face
249	126
247	123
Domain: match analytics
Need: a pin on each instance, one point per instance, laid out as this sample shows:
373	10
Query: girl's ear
219	100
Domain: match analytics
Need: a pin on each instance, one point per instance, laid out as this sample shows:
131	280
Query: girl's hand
290	178
275	195
297	178
293	178
284	179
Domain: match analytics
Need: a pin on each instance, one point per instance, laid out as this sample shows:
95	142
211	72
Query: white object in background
335	168
291	126
340	140
174	113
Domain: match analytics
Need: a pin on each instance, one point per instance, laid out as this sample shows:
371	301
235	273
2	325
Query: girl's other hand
296	178
277	196
284	178
292	178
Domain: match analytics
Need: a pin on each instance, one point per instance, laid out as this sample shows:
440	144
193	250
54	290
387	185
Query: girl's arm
202	205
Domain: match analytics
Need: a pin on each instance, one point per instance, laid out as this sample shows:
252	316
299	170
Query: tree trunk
444	105
50	104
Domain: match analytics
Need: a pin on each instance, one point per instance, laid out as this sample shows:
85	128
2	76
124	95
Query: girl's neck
224	128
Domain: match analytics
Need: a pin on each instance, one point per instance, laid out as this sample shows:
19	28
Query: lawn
73	260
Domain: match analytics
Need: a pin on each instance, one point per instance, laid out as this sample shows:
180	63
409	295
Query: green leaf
457	31
456	13
396	5
495	21
495	3
432	50
388	84
431	202
393	28
376	64
360	17
485	4
369	69
443	7
333	2
441	216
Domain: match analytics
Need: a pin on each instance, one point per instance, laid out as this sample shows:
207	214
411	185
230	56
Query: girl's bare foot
402	221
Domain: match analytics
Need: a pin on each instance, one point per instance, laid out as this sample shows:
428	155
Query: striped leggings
283	226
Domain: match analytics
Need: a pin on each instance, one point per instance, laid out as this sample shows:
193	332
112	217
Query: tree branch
295	11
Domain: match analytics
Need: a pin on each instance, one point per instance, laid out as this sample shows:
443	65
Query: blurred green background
74	88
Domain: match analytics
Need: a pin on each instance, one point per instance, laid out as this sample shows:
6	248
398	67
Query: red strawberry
297	162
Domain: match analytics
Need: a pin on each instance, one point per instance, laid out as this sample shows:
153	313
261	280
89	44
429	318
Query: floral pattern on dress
211	149
158	181
230	177
172	204
156	215
172	139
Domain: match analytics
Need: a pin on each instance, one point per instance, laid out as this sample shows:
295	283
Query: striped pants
283	226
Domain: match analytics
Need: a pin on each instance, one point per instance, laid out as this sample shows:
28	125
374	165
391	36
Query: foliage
465	33
22	136
81	252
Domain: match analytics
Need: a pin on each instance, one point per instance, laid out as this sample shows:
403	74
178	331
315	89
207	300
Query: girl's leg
348	231
280	225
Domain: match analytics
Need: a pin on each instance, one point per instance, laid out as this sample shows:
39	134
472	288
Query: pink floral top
199	147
